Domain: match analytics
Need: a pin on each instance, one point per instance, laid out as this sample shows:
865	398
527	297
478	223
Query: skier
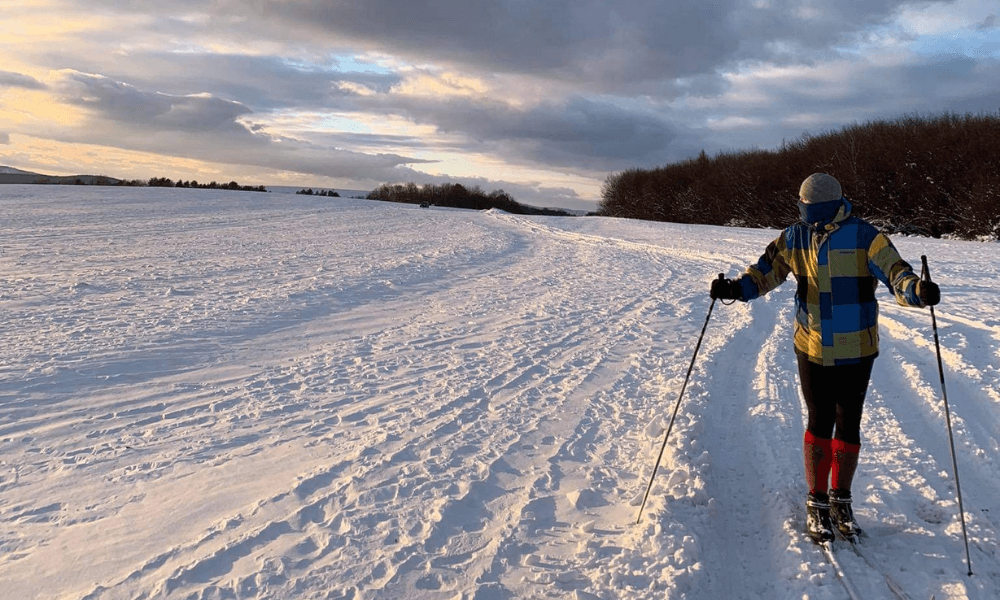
837	260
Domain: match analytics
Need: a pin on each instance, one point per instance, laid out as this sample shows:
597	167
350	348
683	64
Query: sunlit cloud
36	110
936	18
353	87
423	83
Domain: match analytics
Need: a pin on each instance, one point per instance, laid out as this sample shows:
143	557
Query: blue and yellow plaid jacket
837	268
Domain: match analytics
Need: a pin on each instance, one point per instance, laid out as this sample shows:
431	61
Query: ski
831	557
893	585
847	529
829	551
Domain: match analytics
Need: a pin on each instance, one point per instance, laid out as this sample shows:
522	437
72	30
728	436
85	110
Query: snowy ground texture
208	394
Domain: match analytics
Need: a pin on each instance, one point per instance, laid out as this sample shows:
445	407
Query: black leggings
835	397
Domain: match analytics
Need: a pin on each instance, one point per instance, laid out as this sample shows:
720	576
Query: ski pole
925	275
677	405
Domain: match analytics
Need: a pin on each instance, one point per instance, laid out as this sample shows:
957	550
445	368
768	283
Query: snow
214	394
13	171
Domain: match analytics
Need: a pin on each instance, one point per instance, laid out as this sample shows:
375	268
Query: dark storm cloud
8	79
793	31
609	45
597	41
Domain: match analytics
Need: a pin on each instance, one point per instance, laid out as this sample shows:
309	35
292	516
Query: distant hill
13	171
12	175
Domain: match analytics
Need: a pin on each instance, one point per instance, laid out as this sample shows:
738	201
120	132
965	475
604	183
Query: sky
543	99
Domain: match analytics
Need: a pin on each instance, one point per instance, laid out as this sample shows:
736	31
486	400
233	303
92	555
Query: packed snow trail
219	394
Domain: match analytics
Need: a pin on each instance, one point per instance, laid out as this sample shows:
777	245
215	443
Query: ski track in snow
210	394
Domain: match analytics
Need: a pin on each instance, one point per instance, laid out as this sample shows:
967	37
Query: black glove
726	289
928	292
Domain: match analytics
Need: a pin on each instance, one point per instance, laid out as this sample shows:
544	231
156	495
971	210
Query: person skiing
837	260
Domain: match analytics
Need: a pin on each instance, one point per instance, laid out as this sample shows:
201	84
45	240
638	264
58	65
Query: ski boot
843	516
819	526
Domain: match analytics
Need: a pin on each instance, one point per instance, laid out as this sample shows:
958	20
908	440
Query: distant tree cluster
166	182
310	192
36	179
455	195
935	176
94	180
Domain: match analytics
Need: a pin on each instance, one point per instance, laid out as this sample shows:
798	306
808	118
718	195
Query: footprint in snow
931	513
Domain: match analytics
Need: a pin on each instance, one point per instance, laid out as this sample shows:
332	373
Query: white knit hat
820	187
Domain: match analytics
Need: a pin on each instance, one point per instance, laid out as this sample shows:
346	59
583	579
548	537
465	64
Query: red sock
845	461
818	458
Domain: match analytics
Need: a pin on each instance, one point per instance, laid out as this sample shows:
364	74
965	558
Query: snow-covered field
208	394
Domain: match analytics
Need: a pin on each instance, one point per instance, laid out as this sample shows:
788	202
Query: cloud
573	133
577	132
987	24
776	104
608	46
123	103
260	82
543	95
988	49
4	138
8	79
207	128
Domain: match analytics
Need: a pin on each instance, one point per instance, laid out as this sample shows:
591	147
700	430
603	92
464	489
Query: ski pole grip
925	272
